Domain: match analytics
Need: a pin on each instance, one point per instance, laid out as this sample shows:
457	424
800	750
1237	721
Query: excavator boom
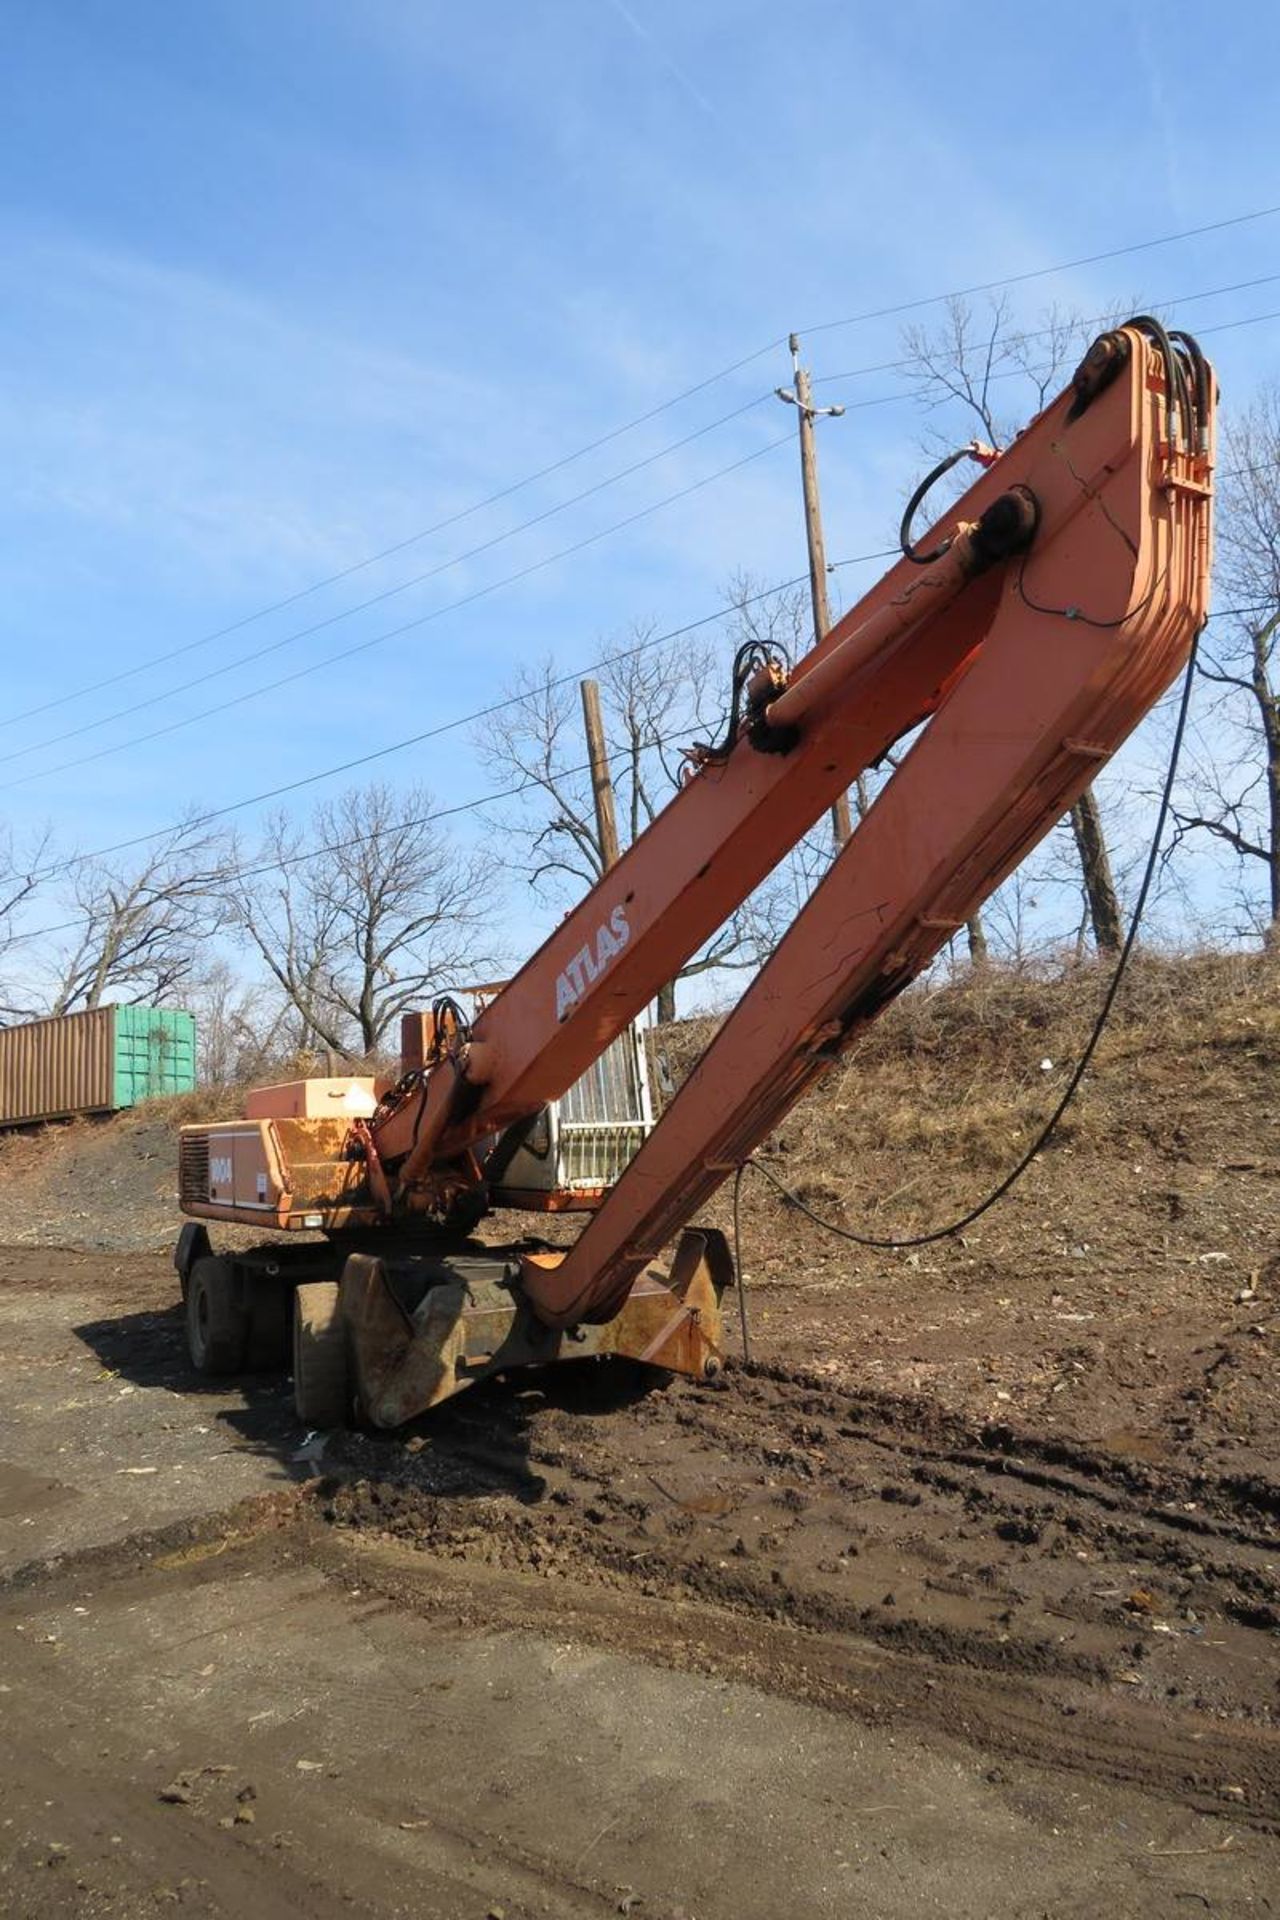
1045	615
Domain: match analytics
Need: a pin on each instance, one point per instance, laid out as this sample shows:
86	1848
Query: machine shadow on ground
473	1446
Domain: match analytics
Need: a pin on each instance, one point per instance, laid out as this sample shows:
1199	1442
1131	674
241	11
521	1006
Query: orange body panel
312	1100
277	1173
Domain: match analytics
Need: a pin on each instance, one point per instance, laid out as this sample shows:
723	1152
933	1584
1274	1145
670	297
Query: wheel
193	1245
321	1391
217	1324
270	1321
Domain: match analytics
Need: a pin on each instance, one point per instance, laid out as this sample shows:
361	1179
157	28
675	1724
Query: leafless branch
364	914
142	928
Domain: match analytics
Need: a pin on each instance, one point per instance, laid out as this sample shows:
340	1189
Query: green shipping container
94	1062
155	1053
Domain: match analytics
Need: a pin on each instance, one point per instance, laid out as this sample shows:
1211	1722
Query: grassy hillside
952	1084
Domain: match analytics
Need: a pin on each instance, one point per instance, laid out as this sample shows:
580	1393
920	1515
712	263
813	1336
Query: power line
1042	333
394	633
400	546
335	846
416	739
471	553
1041	273
1249	320
1238	473
388	593
361	606
460	807
615	433
239	872
1017	373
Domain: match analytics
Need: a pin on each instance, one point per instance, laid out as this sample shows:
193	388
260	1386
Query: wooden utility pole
800	396
601	783
606	818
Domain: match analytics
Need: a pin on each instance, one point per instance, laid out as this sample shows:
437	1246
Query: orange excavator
1018	644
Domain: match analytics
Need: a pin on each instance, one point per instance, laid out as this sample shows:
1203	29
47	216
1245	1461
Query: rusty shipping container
94	1062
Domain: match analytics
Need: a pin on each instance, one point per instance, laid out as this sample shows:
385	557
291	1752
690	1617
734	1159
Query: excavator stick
396	1336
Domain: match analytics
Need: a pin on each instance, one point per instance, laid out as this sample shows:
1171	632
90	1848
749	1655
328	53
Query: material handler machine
1019	644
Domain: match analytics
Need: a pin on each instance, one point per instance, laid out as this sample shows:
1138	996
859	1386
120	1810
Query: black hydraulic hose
904	531
1177	397
1200	369
750	655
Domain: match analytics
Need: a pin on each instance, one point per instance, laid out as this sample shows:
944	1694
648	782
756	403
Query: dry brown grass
956	1072
189	1109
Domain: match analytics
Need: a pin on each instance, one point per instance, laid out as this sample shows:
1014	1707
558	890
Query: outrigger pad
421	1330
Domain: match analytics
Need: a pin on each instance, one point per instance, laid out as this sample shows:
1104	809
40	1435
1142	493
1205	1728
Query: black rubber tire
321	1373
217	1324
270	1326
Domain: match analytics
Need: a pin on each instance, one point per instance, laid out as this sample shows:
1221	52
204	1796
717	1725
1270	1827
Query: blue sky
286	284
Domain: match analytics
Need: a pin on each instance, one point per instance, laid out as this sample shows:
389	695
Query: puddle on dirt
23	1493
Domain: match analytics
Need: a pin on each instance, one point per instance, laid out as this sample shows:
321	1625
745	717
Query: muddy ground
781	1645
963	1598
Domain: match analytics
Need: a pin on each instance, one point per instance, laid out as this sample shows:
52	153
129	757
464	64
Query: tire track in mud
1040	1597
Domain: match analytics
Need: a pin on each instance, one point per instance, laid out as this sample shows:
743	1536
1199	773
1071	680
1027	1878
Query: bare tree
656	697
999	375
1235	786
21	875
243	1025
141	929
969	354
365	914
293	928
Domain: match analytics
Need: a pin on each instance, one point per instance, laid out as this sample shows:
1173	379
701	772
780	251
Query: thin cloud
678	73
1161	113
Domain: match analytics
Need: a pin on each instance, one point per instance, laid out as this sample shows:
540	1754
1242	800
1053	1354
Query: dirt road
778	1647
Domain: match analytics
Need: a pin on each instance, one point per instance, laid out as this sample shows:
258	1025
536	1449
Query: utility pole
800	396
601	782
606	819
